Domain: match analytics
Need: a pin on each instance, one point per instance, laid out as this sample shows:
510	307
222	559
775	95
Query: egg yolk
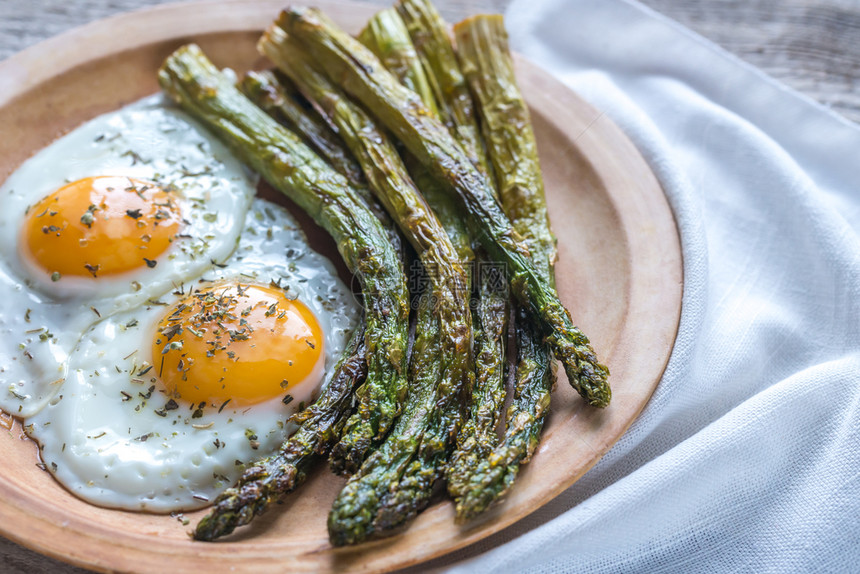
248	344
100	226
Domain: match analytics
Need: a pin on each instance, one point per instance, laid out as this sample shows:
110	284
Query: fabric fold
748	454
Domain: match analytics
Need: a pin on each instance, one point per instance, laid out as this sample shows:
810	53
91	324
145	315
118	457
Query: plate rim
17	76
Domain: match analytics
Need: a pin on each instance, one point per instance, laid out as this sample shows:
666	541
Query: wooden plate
619	273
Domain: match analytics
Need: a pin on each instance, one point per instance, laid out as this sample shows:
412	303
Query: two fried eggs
158	325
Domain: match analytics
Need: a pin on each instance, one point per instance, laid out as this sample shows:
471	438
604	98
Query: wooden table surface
811	45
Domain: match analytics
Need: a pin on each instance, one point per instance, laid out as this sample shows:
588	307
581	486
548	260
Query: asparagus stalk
271	478
429	34
444	207
478	435
327	197
280	99
383	167
512	149
507	129
352	518
361	74
393	45
386	35
390	181
494	475
391	41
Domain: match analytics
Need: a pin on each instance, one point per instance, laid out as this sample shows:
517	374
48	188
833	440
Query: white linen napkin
747	458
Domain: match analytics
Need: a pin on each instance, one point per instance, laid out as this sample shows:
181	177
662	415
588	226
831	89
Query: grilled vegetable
478	437
290	166
389	180
430	37
386	35
361	74
487	63
392	43
495	473
269	479
279	98
351	519
507	129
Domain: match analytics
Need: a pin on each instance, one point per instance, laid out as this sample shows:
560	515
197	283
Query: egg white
109	436
41	320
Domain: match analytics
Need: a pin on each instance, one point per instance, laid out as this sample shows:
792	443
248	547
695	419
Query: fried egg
107	217
165	404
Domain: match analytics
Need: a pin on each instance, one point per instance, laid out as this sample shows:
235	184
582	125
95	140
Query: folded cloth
747	458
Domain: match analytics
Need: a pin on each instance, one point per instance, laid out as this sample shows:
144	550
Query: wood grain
811	45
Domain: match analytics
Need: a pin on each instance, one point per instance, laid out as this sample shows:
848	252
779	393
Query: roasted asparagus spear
386	35
271	478
512	149
390	181
507	130
279	98
353	515
429	34
290	166
361	74
391	41
495	473
478	436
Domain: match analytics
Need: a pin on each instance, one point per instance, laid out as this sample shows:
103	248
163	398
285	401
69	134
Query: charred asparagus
394	46
386	35
430	37
279	98
327	197
353	515
390	181
512	150
361	74
477	437
271	478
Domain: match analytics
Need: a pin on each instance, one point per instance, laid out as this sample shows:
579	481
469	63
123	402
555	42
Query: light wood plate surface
619	273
